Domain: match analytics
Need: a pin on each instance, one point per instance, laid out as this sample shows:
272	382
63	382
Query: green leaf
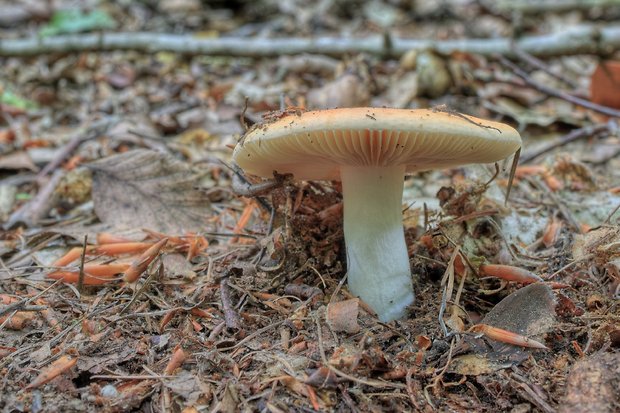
76	21
11	99
23	196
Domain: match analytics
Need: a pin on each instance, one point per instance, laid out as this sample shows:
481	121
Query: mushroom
370	150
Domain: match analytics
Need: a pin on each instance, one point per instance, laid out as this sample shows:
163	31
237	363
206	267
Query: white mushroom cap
314	145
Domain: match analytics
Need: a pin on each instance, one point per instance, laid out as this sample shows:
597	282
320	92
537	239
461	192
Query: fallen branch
94	130
576	40
541	87
35	209
576	134
230	315
552	6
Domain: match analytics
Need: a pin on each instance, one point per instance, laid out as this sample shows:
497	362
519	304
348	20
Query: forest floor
245	307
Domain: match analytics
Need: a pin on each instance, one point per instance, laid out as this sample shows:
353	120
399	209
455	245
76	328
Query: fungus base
378	268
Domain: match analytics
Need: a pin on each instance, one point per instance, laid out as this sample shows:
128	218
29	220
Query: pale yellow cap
313	145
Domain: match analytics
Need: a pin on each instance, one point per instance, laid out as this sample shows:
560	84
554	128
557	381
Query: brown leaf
605	84
52	371
188	386
147	189
342	315
347	91
17	160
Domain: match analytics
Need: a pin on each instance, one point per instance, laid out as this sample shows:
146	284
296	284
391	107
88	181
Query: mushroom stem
377	260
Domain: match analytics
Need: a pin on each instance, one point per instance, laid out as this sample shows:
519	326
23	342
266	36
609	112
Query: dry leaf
592	385
342	315
605	84
347	91
17	160
528	311
147	189
52	371
475	365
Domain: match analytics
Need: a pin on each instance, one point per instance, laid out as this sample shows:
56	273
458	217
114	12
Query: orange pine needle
73	162
107	238
72	277
527	170
244	219
160	235
122	248
166	319
105	270
73	254
112	248
177	359
140	265
94	274
313	398
552	182
509	273
196	325
552	232
506	336
194	247
556	285
199	312
52	371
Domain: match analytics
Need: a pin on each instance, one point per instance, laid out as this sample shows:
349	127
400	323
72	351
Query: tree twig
230	315
576	40
80	284
574	135
555	92
539	64
91	132
35	209
552	6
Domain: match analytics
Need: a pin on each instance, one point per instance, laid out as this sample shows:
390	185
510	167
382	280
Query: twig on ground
511	177
91	132
572	136
35	209
578	40
605	110
551	6
230	315
611	214
523	387
439	375
447	282
80	284
253	335
539	64
338	372
21	306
